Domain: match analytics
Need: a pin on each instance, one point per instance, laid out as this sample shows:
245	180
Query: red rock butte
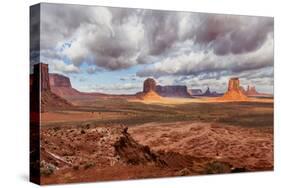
149	90
40	87
251	91
233	84
234	92
149	85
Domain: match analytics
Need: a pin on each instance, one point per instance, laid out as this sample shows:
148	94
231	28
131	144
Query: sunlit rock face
234	84
234	91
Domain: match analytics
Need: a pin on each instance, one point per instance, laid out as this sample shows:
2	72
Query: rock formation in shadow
149	91
40	88
172	91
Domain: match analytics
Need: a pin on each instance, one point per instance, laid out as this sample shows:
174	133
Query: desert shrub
87	126
217	167
238	170
83	131
183	172
56	129
89	165
46	169
75	167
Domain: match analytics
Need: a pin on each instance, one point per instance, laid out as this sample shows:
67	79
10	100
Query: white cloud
166	45
208	63
58	66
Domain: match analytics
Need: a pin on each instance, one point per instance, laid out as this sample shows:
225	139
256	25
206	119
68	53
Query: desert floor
115	138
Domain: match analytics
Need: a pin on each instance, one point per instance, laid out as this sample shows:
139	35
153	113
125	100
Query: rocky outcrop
172	91
234	91
149	85
42	98
149	90
133	153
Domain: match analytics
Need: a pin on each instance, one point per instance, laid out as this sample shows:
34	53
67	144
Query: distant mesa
195	92
172	91
57	80
152	91
149	91
234	92
61	85
209	93
56	90
251	91
200	93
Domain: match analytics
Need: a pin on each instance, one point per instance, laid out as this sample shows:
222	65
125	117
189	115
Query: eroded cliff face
57	80
61	86
172	91
40	90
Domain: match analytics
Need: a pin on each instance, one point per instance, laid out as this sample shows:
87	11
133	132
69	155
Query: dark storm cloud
109	38
161	30
34	27
209	69
205	65
59	22
165	43
233	34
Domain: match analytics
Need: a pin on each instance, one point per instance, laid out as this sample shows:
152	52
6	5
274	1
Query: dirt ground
118	139
242	147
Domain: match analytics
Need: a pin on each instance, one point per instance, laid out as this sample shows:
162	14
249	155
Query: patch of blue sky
104	77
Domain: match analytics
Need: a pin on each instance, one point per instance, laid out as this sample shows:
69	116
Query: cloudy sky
113	50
